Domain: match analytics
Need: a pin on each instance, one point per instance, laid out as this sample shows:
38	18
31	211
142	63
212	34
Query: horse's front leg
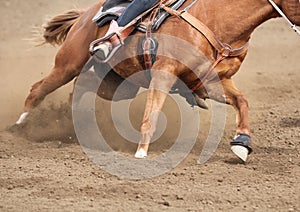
160	85
241	145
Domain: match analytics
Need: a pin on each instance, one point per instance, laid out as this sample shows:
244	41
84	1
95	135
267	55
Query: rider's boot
104	48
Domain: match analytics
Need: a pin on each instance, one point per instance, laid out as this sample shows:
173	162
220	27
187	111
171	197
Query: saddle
112	9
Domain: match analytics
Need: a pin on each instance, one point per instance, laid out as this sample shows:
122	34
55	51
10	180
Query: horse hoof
241	146
240	151
140	154
22	118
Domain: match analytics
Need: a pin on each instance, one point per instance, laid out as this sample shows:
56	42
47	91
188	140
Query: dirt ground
43	168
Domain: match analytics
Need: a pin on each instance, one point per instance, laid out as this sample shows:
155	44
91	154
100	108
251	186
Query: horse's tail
56	30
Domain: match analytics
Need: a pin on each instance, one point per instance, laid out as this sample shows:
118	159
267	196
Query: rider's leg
135	8
105	47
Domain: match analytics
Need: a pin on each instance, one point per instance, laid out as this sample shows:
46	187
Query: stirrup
102	56
102	50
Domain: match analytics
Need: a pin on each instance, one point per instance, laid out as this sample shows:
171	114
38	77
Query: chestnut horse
232	22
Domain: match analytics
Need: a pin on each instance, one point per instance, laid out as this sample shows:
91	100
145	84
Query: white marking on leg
22	118
141	153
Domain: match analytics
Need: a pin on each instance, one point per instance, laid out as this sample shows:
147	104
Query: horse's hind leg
41	89
61	74
241	145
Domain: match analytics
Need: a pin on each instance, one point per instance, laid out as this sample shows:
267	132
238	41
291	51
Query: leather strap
210	70
223	50
126	30
118	38
149	43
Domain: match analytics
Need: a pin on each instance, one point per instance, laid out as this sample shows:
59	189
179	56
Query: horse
231	21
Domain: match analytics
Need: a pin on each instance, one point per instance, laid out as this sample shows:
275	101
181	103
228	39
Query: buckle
227	49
